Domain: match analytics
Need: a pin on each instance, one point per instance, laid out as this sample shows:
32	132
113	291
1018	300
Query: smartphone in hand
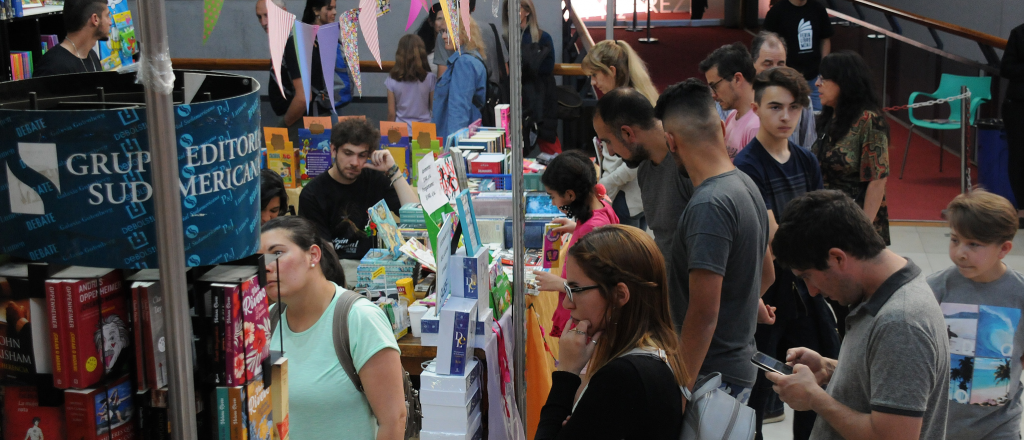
768	363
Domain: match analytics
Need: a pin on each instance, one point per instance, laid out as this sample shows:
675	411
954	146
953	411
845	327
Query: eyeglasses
569	291
714	85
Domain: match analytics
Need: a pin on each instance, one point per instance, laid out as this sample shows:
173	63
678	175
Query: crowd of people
745	211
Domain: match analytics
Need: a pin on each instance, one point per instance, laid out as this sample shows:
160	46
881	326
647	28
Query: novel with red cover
58	333
101	413
234	348
25	419
140	357
153	332
97	317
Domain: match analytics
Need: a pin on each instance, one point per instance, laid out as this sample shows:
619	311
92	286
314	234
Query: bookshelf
22	33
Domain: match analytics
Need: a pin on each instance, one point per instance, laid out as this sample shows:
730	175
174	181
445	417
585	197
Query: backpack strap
341	345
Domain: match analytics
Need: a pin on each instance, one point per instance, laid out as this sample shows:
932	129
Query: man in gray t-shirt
892	376
626	127
986	345
720	264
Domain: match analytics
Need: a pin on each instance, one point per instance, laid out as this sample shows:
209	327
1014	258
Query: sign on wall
76	186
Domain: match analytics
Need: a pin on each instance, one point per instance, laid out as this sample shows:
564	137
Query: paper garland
368	23
414	12
383	7
211	13
464	11
303	37
326	36
451	21
350	45
279	26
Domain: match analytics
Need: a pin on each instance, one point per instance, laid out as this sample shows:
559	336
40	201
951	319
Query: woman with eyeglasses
570	179
325	404
616	293
853	142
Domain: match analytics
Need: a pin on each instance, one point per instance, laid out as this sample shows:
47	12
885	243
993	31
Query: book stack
244	412
378	271
21	65
233	308
451	404
148	325
101	413
48	41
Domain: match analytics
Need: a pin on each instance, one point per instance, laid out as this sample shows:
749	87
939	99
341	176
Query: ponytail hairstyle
630	70
614	254
410	60
572	170
304	234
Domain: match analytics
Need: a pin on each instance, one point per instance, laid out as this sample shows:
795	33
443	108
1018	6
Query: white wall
239	35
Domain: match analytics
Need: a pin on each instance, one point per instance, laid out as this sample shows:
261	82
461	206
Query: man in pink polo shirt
730	74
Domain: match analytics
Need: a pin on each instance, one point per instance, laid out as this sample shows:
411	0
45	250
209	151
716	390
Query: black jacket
1013	64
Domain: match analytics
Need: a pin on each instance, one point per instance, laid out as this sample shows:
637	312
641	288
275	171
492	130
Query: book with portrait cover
25	340
99	339
23	418
104	412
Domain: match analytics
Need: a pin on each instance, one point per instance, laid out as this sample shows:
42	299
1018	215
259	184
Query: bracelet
396	177
392	171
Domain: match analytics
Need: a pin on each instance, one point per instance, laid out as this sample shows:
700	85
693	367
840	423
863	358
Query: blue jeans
815	97
740	393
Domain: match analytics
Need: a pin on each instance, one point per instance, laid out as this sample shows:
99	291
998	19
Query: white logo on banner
43	159
805	35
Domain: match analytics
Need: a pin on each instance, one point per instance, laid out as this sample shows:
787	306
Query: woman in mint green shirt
324	404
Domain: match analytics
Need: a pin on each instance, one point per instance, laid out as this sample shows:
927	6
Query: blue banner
77	185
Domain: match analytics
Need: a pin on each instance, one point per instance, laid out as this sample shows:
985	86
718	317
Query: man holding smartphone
892	379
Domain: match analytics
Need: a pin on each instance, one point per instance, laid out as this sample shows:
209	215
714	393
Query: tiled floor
928	247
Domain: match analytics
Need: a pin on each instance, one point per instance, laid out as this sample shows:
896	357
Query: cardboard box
456	333
470	276
430	325
458	383
477	429
455	419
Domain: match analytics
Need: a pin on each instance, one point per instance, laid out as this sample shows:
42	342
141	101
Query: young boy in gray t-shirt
982	301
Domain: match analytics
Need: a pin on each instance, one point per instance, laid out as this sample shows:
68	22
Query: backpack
341	347
710	412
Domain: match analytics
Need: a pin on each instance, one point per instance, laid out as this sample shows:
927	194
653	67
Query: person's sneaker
774	418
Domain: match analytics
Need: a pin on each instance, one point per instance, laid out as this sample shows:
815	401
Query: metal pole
648	39
169	237
965	123
633	28
515	54
609	21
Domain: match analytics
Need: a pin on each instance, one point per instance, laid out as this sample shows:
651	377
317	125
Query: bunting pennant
451	21
414	12
211	13
279	26
368	23
350	45
327	36
464	11
383	7
303	38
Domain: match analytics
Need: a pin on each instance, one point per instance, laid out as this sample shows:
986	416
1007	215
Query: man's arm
767	271
405	192
826	46
701	320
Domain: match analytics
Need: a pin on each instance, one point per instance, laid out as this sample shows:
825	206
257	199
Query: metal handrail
563	69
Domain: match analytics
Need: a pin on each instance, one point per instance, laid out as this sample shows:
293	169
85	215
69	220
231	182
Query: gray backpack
711	414
341	347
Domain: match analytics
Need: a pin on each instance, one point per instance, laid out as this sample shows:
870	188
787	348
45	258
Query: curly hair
856	93
572	170
355	131
614	254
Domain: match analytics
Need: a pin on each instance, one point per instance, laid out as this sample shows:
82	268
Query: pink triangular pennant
327	36
368	23
349	40
414	12
304	36
464	12
279	26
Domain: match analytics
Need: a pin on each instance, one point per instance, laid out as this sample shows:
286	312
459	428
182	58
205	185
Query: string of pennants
282	25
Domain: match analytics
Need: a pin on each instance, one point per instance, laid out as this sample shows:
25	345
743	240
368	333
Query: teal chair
949	85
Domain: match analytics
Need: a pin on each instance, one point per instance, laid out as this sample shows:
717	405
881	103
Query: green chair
949	85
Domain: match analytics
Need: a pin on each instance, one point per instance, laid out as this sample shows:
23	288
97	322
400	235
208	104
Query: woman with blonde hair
411	83
462	90
611	64
617	295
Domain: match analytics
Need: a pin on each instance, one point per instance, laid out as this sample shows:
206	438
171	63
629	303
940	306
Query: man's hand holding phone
816	363
799	390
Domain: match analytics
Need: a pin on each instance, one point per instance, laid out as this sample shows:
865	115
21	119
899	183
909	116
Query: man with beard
360	176
720	264
626	126
86	21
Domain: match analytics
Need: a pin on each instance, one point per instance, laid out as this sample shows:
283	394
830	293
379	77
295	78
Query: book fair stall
119	321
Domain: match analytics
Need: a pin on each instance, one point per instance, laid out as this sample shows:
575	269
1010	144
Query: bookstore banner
77	185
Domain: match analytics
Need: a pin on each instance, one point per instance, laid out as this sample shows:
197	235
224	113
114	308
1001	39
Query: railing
987	43
365	66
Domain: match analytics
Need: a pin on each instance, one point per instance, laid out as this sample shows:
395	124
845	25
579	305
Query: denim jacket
456	107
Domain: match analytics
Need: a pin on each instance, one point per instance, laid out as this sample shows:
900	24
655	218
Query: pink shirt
601	217
739	132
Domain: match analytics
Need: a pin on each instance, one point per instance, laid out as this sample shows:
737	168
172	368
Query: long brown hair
614	254
411	63
630	70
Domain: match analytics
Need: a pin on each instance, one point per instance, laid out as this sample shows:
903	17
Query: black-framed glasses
714	85
569	291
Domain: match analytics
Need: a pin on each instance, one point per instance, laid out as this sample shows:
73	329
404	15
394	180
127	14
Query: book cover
280	158
141	373
97	323
238	419
317	148
101	413
279	396
470	277
457	331
256	327
58	332
24	419
259	410
153	333
234	348
25	341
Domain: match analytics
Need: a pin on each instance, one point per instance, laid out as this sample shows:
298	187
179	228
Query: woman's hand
567	226
549	282
575	347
